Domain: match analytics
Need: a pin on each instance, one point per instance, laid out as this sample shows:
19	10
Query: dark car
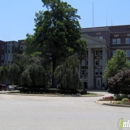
3	87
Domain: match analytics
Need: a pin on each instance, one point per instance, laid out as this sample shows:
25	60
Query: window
9	51
100	71
96	72
83	72
21	48
96	62
127	40
87	62
100	37
100	53
116	41
127	53
113	41
83	63
96	52
113	53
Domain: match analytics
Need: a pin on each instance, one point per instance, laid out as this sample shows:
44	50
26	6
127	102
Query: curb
109	104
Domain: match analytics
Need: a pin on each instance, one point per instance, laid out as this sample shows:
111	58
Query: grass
53	94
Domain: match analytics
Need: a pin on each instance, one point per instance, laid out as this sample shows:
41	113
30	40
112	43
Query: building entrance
98	83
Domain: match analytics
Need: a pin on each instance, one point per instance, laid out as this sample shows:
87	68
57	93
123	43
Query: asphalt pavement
58	113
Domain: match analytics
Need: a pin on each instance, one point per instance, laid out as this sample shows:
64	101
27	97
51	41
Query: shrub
120	83
117	97
120	96
124	101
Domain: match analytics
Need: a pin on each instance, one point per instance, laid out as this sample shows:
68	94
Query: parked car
3	87
10	88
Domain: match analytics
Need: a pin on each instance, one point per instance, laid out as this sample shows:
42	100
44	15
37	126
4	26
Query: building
21	45
9	51
102	43
11	47
2	44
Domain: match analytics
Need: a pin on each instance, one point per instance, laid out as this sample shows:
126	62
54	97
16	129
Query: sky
17	16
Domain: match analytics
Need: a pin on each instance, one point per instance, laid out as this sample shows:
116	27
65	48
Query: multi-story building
102	43
11	47
9	51
2	43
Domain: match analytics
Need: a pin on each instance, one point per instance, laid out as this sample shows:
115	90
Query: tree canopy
118	62
56	34
67	75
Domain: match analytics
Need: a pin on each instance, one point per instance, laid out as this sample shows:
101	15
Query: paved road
58	113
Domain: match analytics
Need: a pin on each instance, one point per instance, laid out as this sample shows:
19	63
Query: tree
14	73
67	75
120	83
57	33
5	72
116	63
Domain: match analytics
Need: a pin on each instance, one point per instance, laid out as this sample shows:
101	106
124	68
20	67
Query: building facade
9	51
102	43
11	47
2	48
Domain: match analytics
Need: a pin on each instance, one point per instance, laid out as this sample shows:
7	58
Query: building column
90	69
104	62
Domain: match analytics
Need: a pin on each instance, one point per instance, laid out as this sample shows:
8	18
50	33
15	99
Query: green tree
25	78
116	63
67	74
14	73
29	69
57	33
37	71
5	72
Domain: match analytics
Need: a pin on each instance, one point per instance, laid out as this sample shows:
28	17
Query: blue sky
17	16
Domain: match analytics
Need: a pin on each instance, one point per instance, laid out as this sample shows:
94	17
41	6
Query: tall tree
57	32
116	63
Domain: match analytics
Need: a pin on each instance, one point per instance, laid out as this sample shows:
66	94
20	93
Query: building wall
2	52
9	51
116	37
21	45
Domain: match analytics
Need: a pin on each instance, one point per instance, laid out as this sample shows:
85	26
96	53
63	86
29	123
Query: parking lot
58	113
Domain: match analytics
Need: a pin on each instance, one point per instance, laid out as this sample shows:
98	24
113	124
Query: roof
111	29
